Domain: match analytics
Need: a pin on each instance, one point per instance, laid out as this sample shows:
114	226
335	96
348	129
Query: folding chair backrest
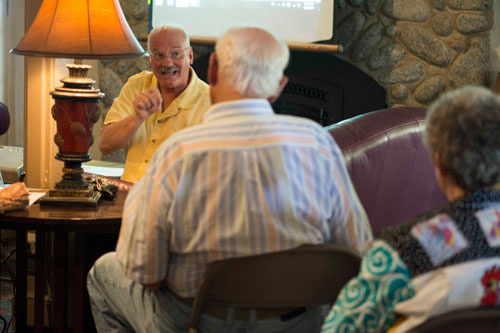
306	276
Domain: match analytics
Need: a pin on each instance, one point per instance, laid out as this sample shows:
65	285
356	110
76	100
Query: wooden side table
59	220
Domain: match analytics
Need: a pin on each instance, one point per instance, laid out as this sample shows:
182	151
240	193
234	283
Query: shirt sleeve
144	241
366	303
349	223
122	106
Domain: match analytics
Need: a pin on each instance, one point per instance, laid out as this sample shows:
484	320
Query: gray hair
170	26
463	126
252	61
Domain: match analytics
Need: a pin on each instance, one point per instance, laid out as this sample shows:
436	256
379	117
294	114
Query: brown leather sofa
389	165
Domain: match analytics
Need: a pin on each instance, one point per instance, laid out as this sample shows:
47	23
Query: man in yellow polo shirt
154	105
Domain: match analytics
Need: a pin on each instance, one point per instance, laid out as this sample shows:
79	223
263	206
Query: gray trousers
122	305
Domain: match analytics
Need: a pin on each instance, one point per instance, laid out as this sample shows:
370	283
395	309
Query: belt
221	312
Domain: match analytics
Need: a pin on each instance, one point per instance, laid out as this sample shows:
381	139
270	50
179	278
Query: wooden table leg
60	279
79	283
39	280
21	278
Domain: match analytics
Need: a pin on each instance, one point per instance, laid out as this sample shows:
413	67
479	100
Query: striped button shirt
244	182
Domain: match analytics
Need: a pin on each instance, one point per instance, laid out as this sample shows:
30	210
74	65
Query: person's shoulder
141	77
402	236
183	142
399	231
300	121
204	90
197	94
308	127
201	85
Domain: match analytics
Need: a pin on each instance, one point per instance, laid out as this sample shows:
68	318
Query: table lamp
91	29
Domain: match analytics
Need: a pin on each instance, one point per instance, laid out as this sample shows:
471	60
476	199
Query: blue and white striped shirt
244	182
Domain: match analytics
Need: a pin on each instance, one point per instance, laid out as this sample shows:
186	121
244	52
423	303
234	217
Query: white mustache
169	69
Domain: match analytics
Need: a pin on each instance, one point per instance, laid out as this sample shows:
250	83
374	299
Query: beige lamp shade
82	29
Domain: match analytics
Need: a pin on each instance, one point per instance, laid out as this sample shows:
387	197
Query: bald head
251	61
170	27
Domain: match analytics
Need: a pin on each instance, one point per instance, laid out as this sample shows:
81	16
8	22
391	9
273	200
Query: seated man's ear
213	67
283	82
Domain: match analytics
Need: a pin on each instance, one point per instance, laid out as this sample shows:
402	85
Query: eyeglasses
177	53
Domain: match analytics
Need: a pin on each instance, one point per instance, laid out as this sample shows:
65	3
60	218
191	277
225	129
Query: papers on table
104	171
35	194
15	203
104	168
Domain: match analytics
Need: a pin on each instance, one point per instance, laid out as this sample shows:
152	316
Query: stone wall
417	49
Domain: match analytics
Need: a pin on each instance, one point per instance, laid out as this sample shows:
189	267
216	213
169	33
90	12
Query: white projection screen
302	21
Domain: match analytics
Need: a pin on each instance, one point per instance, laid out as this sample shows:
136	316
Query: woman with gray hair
463	138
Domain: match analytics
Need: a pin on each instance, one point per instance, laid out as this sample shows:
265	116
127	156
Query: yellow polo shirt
186	110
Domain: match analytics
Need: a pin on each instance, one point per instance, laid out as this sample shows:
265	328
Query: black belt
292	314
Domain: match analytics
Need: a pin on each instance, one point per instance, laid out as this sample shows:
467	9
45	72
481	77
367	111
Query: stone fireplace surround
417	49
410	50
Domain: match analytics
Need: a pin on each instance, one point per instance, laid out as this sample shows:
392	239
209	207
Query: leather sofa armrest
389	165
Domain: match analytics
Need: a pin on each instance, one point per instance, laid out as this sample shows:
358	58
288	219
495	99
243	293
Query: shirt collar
189	96
242	107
